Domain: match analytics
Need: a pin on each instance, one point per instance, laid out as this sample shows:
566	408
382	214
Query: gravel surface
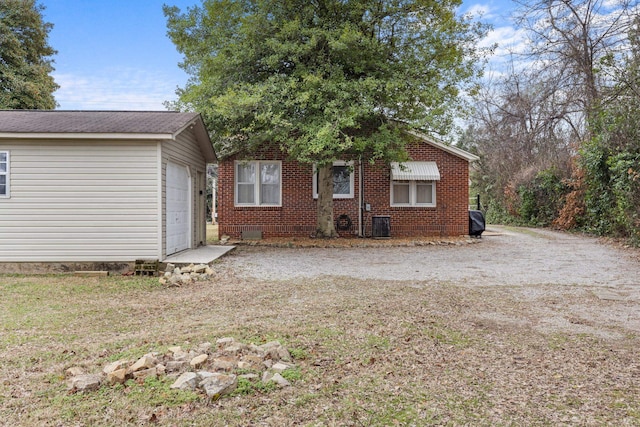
505	256
572	283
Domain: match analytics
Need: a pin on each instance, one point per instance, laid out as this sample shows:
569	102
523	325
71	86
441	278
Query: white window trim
257	185
412	195
351	194
8	179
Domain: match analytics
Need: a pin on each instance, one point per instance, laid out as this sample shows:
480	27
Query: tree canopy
25	57
324	80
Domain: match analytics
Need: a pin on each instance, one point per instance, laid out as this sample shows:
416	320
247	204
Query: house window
258	183
414	183
4	174
413	193
343	182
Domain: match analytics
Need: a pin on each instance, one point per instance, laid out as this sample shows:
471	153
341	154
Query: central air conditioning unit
381	227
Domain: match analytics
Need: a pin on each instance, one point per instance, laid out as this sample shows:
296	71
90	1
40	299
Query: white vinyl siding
185	151
75	201
4	175
258	183
343	180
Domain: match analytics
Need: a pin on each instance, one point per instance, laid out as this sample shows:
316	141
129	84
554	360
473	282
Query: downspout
360	198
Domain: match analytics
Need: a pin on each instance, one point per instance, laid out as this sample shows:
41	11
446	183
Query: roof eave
458	152
86	135
202	136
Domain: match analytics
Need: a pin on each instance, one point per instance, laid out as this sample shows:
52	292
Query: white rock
119	376
85	382
144	373
114	366
244	365
204	347
176	365
280	380
203	375
175	280
280	367
224	363
219	384
198	360
145	362
283	354
186	381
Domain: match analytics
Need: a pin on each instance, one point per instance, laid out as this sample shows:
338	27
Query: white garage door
178	208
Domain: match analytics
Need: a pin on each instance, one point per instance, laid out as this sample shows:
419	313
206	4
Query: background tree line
558	134
26	60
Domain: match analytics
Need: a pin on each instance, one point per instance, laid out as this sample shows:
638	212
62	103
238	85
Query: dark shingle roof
127	122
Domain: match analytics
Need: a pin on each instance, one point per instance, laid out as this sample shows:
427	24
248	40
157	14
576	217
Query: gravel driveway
571	283
504	256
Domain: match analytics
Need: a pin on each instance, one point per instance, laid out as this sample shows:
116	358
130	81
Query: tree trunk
325	227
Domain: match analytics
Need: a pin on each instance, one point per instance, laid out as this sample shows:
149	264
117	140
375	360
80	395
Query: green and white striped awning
415	171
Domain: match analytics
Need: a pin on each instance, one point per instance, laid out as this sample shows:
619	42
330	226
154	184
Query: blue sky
115	55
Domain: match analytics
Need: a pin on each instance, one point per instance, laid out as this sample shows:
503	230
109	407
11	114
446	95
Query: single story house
270	196
101	186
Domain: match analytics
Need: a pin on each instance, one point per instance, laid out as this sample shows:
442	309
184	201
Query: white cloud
507	39
116	89
480	11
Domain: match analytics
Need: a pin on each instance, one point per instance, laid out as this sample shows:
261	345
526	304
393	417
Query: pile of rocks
207	368
178	276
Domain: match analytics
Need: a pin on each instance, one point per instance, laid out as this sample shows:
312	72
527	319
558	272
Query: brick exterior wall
297	215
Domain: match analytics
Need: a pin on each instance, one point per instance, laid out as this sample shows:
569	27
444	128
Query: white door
178	208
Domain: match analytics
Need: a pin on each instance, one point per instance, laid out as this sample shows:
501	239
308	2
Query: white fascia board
448	148
85	136
190	123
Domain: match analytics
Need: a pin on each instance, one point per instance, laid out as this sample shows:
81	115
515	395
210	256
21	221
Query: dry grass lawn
212	233
370	353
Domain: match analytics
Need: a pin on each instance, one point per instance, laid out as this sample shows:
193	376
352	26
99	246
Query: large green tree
324	80
611	159
25	57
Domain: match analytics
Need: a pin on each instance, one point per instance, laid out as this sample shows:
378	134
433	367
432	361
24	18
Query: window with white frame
4	174
413	193
343	182
414	183
258	183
